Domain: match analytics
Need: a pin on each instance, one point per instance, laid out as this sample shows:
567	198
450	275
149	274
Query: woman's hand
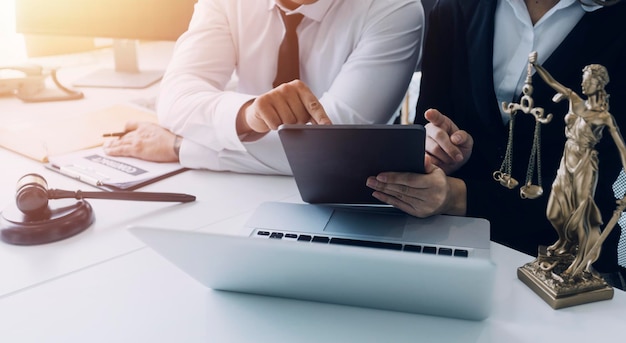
447	145
421	195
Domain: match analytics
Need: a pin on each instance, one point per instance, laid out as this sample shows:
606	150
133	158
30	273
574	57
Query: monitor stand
126	73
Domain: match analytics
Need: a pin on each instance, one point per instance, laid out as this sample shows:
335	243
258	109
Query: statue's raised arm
562	91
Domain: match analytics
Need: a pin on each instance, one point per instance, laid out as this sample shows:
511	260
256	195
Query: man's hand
449	147
421	195
147	141
289	103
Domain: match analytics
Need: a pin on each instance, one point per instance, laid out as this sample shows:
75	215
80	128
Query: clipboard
94	167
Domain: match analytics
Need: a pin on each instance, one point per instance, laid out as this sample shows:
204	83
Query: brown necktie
288	57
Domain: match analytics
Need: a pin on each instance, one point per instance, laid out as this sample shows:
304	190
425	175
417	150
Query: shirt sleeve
374	79
194	100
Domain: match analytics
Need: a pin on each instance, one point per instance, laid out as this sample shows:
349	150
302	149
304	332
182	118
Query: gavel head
32	194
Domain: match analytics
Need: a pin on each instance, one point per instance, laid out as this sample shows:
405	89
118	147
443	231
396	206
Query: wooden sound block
62	219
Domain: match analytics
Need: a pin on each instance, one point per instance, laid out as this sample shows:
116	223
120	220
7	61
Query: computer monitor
126	21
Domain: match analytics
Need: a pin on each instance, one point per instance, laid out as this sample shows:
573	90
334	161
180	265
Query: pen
114	134
68	171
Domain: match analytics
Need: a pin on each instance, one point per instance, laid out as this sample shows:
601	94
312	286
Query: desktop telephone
27	82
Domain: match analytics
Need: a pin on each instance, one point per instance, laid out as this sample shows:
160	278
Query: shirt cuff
226	124
196	156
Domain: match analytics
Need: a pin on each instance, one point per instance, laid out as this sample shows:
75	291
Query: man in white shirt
356	61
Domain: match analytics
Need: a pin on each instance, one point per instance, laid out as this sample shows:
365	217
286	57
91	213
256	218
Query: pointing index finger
317	112
313	106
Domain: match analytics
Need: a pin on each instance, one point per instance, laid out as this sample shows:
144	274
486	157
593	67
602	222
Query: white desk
140	297
103	285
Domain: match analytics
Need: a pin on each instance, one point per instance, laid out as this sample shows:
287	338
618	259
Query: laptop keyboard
425	249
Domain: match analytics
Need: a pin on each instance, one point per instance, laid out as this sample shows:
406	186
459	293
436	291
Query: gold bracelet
178	140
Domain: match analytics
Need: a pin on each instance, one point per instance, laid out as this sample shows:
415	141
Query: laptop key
461	253
445	251
277	235
429	250
367	244
263	233
412	248
304	238
320	239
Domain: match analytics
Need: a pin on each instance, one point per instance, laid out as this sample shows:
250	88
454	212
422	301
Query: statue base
545	277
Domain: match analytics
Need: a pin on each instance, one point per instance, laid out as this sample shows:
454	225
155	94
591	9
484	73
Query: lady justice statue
562	273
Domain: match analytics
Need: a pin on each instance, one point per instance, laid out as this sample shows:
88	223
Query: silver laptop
375	257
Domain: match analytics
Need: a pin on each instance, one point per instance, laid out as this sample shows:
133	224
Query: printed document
98	169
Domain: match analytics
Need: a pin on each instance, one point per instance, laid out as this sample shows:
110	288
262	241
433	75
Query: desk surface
140	297
104	285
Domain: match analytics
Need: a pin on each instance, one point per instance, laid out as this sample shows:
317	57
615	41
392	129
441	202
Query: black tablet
331	163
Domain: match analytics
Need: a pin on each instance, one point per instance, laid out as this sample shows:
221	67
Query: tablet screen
331	163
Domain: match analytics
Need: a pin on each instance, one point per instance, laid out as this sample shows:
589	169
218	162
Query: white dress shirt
357	57
515	39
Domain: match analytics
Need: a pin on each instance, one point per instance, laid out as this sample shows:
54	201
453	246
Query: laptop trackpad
368	223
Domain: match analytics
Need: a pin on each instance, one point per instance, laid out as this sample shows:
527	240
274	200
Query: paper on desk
94	167
41	139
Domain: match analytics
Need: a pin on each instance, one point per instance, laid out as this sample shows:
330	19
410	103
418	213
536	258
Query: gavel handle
121	195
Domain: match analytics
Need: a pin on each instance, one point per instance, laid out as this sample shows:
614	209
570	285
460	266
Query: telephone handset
27	82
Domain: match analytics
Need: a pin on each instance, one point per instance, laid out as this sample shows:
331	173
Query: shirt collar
315	11
590	6
586	5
